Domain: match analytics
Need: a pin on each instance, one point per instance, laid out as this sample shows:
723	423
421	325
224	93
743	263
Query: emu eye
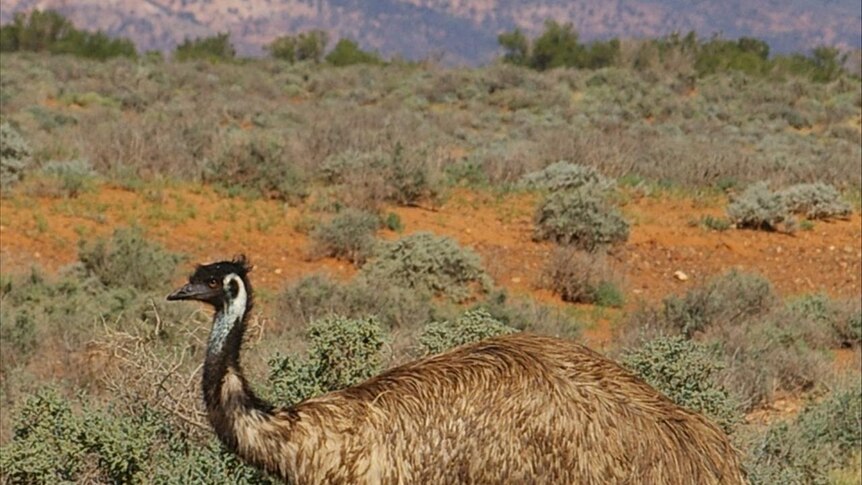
213	284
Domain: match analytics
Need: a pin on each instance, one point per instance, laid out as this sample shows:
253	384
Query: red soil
205	225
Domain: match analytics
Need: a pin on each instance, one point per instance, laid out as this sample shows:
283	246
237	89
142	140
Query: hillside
462	32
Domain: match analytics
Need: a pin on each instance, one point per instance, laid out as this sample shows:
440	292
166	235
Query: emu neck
227	395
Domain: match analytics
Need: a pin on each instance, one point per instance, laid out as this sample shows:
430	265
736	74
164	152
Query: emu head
225	286
220	284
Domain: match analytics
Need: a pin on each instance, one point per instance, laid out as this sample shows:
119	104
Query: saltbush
725	300
257	163
471	326
58	440
349	235
581	218
428	263
72	177
342	352
128	260
581	277
687	373
564	175
14	156
316	296
757	207
815	201
770	355
821	439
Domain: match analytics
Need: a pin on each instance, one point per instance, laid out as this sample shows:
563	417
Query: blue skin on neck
228	317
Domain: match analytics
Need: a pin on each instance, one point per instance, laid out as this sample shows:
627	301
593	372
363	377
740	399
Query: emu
518	408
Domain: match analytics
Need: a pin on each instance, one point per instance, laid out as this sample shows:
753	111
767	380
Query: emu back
513	409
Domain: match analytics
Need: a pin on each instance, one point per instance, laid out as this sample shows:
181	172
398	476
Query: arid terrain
693	212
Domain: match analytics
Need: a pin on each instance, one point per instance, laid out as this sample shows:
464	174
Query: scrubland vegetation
583	128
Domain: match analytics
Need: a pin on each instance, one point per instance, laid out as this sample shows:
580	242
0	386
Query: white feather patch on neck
228	317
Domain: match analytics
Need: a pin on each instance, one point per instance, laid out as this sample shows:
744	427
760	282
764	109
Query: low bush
566	176
526	314
365	180
581	218
342	352
687	373
757	207
14	156
815	201
471	326
715	223
581	277
823	438
258	163
349	235
316	296
768	356
68	178
725	300
57	440
827	323
436	265
128	260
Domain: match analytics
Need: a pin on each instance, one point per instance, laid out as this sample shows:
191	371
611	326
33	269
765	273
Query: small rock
277	270
680	276
516	279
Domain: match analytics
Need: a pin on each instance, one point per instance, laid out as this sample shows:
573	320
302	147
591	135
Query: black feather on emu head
211	283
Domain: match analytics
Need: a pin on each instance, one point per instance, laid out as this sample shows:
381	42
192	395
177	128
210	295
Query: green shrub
349	235
852	329
72	178
815	201
214	48
581	218
566	176
393	222
436	265
366	179
758	208
54	444
128	260
315	297
715	223
725	300
14	156
823	438
580	277
307	46
471	326
688	373
49	31
827	323
408	178
770	355
347	52
341	352
258	163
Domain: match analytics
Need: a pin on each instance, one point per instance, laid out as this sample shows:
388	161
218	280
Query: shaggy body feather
518	408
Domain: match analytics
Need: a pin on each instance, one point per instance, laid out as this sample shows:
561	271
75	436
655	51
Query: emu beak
193	291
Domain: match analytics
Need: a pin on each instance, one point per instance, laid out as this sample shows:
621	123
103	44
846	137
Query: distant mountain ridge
460	32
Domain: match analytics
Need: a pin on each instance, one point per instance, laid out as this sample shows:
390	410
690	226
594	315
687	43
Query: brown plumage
518	408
